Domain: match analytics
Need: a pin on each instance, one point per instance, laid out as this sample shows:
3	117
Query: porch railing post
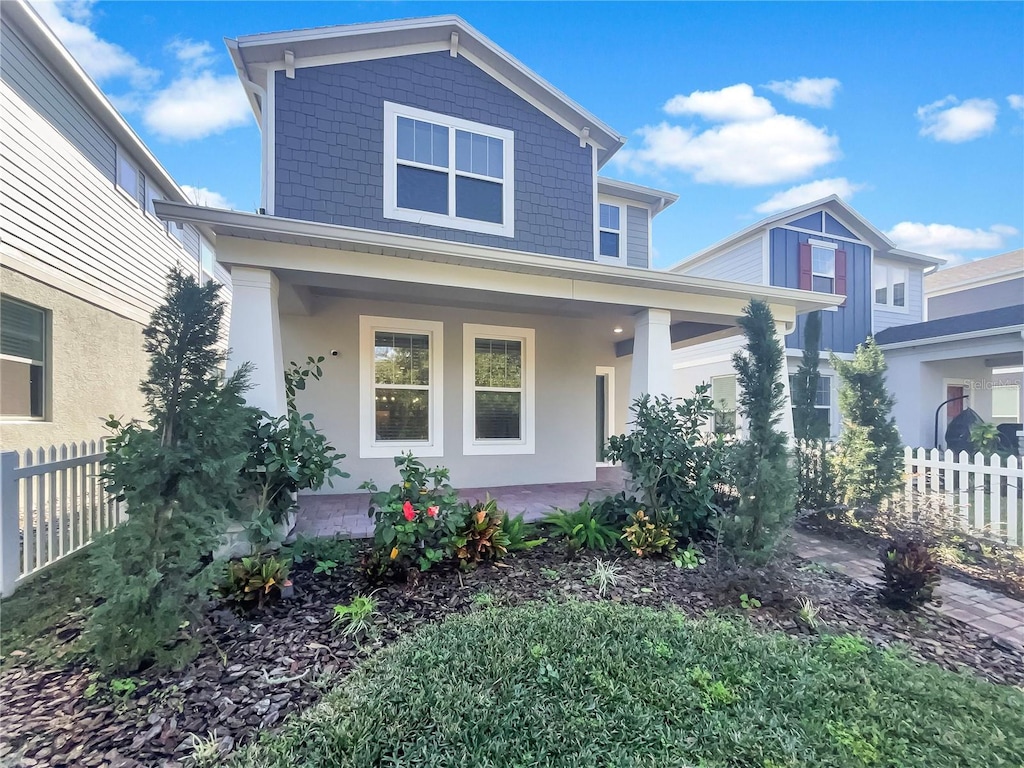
10	524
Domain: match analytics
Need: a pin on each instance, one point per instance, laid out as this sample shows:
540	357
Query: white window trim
526	444
369	446
450	221
621	232
609	410
45	364
888	305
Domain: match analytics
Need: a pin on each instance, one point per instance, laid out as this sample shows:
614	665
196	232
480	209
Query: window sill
390	450
889	308
450	222
498	449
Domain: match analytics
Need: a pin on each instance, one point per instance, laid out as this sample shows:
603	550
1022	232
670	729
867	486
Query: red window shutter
805	267
841	275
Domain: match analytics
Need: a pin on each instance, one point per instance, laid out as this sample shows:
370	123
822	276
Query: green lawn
585	684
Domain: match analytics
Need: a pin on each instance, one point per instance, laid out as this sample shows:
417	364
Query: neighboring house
435	225
969	351
825	247
84	258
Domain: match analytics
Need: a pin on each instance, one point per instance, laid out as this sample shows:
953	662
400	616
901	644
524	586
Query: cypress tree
870	454
764	478
806	422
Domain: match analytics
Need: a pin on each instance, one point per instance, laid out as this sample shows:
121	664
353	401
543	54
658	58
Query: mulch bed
258	668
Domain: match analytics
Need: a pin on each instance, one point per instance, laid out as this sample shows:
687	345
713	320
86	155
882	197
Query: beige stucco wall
95	364
567	355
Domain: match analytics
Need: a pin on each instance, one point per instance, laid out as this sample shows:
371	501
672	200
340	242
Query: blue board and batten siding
329	150
849	325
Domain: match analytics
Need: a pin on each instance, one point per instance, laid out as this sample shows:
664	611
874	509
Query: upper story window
823	268
131	180
22	360
447	172
890	285
610	230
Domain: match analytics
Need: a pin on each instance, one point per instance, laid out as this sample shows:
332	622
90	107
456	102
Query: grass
601	684
27	617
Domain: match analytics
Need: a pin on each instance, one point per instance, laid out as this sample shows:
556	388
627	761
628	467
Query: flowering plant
409	519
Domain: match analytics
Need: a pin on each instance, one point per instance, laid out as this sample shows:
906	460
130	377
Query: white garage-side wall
566	358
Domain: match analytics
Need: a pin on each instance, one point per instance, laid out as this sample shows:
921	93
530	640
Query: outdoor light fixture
617	329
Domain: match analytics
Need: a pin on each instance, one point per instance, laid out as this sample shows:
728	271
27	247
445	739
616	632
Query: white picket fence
985	495
52	503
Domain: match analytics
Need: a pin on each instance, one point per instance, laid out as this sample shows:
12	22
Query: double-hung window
22	360
890	285
823	268
822	402
498	414
447	171
400	387
723	393
610	232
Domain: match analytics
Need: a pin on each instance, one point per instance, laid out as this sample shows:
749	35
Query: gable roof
657	199
934	331
994	269
834	205
255	55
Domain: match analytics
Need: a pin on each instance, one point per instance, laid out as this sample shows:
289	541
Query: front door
956	407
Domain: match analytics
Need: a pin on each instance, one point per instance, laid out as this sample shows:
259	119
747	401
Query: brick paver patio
988	611
346	514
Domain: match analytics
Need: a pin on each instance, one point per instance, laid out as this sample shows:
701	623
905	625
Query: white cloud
207	197
811	91
1016	101
103	60
806	193
776	149
948	240
197	105
736	102
950	120
192	54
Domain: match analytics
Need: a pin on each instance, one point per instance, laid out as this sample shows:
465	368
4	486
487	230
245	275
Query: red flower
432	511
408	511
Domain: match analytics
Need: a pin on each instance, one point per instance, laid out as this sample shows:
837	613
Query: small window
890	285
447	172
723	392
498	393
610	232
130	179
823	269
1006	403
22	360
206	260
400	393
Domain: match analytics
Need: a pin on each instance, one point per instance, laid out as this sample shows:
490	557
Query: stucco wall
95	365
566	359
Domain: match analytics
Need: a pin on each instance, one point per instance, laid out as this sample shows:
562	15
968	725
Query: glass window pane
723	392
1006	403
439	151
899	294
823	261
609	244
822	284
401	358
609	216
406	141
823	396
479	164
495	158
499	363
127	176
463	150
21	389
478	199
882	295
22	330
822	417
881	280
402	414
424	141
422	190
499	415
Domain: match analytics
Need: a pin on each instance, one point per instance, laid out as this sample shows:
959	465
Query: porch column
652	354
255	336
786	422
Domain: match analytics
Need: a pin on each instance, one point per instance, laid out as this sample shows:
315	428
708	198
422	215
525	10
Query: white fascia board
655	199
240	224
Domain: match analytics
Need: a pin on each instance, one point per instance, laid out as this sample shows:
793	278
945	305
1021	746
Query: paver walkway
987	611
345	514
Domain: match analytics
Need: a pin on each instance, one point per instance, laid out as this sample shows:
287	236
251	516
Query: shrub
476	534
409	519
808	423
255	581
910	574
677	466
816	475
583	528
764	479
521	534
643	537
870	454
176	473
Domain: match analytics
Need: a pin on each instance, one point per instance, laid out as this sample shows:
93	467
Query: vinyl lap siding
888	318
61	216
637	237
741	263
22	69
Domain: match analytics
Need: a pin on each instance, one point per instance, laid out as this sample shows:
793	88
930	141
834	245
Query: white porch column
786	423
255	336
652	354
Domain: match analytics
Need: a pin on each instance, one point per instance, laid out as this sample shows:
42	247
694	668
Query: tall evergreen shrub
764	478
870	455
176	473
807	424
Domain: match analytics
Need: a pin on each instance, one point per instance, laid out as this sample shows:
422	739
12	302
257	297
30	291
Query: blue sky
913	112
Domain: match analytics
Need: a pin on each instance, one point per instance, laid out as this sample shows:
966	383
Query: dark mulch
256	669
983	563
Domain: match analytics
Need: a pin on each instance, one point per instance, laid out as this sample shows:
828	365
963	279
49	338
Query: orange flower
394	552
